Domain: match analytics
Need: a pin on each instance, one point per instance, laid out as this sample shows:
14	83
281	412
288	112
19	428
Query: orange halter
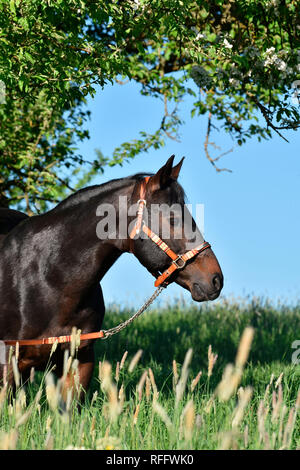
178	261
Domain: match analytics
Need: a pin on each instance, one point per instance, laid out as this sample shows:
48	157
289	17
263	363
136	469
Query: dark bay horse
51	265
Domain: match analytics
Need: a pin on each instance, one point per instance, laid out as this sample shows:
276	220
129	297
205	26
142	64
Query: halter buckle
143	201
179	266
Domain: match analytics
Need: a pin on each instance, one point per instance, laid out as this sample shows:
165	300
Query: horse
51	265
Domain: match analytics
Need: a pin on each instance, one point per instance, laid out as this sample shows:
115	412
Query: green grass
200	419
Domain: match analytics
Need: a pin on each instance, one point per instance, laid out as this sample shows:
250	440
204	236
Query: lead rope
121	326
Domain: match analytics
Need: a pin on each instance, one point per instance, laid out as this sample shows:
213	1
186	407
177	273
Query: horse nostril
217	282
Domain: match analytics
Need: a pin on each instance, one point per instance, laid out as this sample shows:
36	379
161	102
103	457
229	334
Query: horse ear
162	177
176	169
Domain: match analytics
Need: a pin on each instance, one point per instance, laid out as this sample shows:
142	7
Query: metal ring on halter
178	266
143	201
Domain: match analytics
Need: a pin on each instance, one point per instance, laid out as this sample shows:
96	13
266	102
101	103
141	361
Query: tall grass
179	378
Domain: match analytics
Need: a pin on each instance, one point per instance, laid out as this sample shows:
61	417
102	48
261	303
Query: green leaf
12	7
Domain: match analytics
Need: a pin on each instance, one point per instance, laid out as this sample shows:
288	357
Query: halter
178	261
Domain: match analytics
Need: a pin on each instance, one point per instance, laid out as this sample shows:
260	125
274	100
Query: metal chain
121	326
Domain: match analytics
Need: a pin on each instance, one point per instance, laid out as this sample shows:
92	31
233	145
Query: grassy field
180	377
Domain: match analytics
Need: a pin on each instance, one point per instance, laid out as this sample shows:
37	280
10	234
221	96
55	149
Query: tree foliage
238	60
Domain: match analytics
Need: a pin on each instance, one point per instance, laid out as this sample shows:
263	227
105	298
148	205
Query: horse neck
88	256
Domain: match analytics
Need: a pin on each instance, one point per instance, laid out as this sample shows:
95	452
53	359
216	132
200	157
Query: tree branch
207	143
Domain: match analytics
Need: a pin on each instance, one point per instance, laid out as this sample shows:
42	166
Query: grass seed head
3	395
17	351
148	388
246	436
75	341
24	418
53	348
49	441
32	374
244	347
123	360
94	397
229	383
195	381
175	374
181	385
277	402
229	440
153	384
244	398
188	420
262	412
114	407
21	398
105	375
17	377
136	413
141	384
8	440
52	391
289	428
48	423
121	395
135	360
212	358
160	410
279	380
298	401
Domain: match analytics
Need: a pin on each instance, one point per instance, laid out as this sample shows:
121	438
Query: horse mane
85	194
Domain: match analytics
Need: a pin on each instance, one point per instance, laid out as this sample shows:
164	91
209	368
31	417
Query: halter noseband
178	261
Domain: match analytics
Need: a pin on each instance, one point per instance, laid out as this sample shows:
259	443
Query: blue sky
251	215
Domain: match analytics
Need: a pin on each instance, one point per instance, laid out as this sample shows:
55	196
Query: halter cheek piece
178	261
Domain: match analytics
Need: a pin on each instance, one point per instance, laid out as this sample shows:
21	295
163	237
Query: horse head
166	240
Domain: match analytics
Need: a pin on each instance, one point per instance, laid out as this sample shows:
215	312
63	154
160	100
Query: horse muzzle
201	291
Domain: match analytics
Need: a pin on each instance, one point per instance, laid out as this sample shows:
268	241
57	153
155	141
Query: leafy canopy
241	56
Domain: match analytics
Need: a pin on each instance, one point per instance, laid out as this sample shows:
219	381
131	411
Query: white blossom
271	58
136	4
227	44
200	36
281	65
